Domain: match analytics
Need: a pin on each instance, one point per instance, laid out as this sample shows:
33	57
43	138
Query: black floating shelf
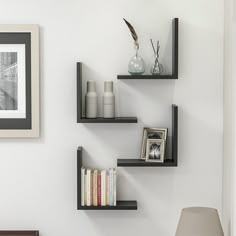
142	163
120	205
81	119
171	162
174	75
146	77
106	120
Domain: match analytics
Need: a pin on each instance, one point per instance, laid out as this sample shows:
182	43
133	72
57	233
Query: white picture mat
21	84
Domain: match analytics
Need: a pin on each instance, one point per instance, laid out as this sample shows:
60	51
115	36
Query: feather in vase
133	33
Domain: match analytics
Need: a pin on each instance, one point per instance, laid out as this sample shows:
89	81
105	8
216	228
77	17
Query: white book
82	185
85	188
111	202
103	188
107	189
88	187
95	188
114	186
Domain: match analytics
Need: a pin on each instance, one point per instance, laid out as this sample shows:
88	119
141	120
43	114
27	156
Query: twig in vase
158	46
153	46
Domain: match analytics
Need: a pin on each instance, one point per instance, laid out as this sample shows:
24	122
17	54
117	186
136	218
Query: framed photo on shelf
155	150
19	233
152	133
19	81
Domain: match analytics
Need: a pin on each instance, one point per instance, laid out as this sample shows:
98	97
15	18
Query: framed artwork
152	133
155	150
19	233
19	81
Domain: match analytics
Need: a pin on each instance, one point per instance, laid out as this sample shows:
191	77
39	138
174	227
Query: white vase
91	100
108	100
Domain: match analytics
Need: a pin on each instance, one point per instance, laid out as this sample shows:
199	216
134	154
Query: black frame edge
19	232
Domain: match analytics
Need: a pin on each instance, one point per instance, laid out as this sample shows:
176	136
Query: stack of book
98	188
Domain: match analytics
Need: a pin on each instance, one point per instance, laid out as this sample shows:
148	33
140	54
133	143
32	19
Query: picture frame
19	81
19	233
152	133
155	150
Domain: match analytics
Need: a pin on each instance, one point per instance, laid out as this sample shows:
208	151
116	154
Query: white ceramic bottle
91	100
108	100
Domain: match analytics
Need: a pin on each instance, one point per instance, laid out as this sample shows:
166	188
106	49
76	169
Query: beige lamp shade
199	221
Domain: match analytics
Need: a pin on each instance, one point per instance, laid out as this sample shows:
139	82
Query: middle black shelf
82	119
171	161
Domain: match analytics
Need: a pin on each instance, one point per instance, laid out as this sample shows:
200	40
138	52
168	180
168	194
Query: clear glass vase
136	64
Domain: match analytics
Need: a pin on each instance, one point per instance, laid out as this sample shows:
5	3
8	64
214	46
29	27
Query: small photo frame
152	133
155	150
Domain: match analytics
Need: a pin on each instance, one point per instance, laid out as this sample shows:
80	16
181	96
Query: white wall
229	178
38	177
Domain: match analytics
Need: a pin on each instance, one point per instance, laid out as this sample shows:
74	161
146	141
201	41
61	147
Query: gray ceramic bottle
108	100
91	100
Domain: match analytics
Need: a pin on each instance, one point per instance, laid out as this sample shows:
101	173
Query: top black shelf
147	77
175	51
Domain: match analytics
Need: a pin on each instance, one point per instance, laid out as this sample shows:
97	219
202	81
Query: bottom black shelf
140	163
120	205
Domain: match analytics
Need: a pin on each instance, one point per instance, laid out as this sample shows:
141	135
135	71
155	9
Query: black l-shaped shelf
108	120
120	205
174	75
171	162
81	119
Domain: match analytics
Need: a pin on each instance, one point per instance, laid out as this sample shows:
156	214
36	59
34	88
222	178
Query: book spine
85	187
103	187
95	188
99	190
107	189
91	189
82	186
114	186
88	187
111	187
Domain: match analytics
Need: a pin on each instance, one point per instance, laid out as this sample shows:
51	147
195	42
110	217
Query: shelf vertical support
79	165
175	134
175	47
79	92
